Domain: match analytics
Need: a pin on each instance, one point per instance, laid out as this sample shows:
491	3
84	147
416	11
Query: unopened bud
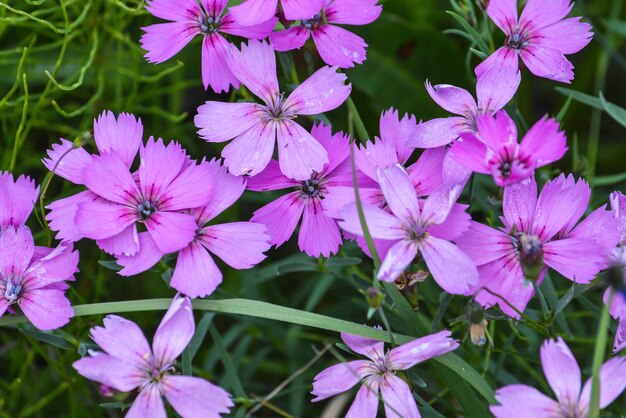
530	256
374	297
475	317
107	391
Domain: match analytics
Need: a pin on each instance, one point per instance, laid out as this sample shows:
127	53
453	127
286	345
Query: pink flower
17	199
239	244
539	233
494	90
188	18
494	149
33	278
336	45
617	257
416	228
255	128
379	373
127	362
620	336
251	12
319	233
541	37
563	376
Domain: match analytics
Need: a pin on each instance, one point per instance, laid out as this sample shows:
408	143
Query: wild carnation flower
416	229
33	278
17	199
255	127
127	362
563	375
541	37
189	18
617	257
620	336
538	233
335	45
251	12
319	233
239	244
378	374
494	89
494	148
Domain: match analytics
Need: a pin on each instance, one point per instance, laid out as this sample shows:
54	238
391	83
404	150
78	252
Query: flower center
146	209
314	22
13	290
517	41
310	188
208	24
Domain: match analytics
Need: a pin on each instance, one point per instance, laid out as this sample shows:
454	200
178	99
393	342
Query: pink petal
148	404
518	204
374	155
67	161
164	40
46	309
100	219
124	340
577	259
171	231
368	347
215	71
259	31
568	36
454	99
111	371
59	265
160	165
337	146
123	135
611	383
601	227
497	86
556	206
239	244
280	217
174	331
299	154
190	188
523	401
338	46
427	172
397	259
471	153
620	337
195	397
407	355
399	193
439	204
17	252
319	234
380	224
17	199
337	379
455	225
547	62
62	215
255	66
353	12
108	177
174	10
561	371
497	130
125	243
437	132
544	143
196	274
147	256
398	131
503	57
322	92
291	38
271	178
250	152
539	14
451	268
253	12
214	7
484	244
398	398
504	14
365	404
220	121
226	190
338	197
301	9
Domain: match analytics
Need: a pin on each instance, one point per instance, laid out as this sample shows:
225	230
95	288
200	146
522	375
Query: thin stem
598	358
360	127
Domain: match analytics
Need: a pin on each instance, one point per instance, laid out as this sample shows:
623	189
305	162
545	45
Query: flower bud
475	317
374	297
530	255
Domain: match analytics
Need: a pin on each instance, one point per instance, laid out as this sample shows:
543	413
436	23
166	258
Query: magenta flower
319	233
127	362
17	199
617	256
239	244
541	37
539	233
563	375
335	45
188	18
416	229
494	89
620	336
255	128
33	278
251	12
378	374
494	149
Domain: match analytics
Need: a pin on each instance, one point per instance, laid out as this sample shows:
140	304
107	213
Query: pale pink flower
252	12
564	377
379	374
127	362
255	127
17	199
541	37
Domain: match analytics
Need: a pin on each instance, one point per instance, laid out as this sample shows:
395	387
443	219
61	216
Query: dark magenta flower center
517	40
13	290
208	24
146	209
310	188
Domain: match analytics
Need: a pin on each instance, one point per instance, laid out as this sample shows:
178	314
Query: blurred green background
62	62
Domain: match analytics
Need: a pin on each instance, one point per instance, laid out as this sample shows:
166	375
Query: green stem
360	127
598	358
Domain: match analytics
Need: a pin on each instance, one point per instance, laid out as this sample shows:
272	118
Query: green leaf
609	180
296	267
339	262
47	337
198	336
110	264
229	368
471	32
616	112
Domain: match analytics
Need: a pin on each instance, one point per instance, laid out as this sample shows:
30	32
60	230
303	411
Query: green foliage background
62	62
